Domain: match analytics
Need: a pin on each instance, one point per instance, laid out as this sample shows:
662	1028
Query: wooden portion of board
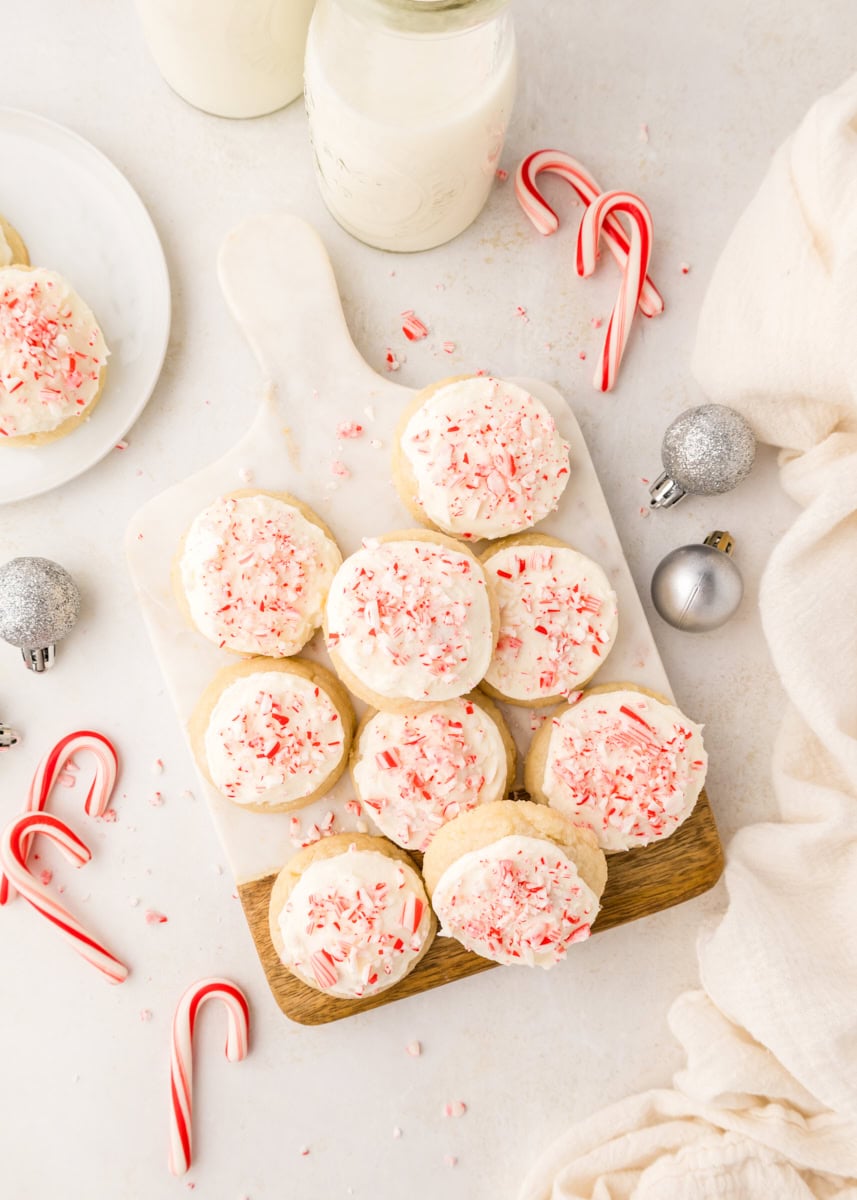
639	883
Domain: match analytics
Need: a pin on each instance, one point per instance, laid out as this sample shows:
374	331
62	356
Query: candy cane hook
181	1056
622	316
547	222
50	769
13	855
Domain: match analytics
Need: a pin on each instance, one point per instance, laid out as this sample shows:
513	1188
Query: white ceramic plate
80	216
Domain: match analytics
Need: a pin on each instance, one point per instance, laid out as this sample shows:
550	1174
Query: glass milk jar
408	103
233	58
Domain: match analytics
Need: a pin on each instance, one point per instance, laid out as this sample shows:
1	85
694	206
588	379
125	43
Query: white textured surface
85	1111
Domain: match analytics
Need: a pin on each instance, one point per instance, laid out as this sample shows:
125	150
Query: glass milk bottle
233	58
408	103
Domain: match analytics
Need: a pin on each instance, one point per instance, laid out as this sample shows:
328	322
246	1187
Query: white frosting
629	766
519	900
52	352
558	620
487	458
255	573
411	619
353	924
416	771
5	251
273	737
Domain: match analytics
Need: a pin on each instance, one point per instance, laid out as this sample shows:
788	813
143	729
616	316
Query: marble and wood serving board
279	285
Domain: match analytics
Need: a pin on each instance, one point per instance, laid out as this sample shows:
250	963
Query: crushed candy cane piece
349	429
153	917
392	362
412	327
339	469
414	1049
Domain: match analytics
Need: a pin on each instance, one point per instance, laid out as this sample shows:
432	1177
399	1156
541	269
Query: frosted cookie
623	760
515	882
13	252
418	769
273	735
409	618
52	356
479	458
349	915
253	571
558	619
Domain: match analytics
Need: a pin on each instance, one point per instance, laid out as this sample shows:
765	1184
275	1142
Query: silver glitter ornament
706	450
697	588
39	604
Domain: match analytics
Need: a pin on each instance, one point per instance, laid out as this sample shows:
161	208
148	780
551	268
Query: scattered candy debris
122	445
684	268
521	312
455	1108
448	347
644	132
449	1160
414	1049
412	327
145	1014
392	362
581	354
596	322
502	174
304	1151
46	876
158	766
153	917
349	429
157	799
339	469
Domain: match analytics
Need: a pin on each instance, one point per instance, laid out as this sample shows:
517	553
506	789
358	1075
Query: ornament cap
665	491
40	658
8	737
721	540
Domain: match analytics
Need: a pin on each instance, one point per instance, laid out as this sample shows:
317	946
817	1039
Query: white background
83	1110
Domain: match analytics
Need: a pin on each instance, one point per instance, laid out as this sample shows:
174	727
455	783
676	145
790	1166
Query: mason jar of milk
232	58
408	103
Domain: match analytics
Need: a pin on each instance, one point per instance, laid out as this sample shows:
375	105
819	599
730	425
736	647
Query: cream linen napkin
767	1104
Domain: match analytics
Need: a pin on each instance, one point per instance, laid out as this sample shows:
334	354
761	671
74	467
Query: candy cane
547	222
181	1056
13	855
50	769
622	316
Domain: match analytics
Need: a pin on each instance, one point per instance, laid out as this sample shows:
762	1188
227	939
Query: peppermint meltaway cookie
515	882
558	619
349	915
13	251
53	356
479	458
418	769
253	572
621	759
272	735
410	619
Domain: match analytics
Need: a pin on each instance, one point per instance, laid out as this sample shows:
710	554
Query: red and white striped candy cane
181	1056
13	855
53	765
547	222
622	316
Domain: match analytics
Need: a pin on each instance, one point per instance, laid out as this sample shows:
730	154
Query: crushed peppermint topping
272	737
626	764
486	457
558	620
411	619
255	572
412	327
52	352
518	900
415	771
355	922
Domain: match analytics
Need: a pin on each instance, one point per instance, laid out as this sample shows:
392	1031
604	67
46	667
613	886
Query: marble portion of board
279	285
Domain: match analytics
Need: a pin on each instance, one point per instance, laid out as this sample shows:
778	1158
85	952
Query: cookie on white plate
515	882
410	620
415	770
273	735
478	457
622	759
349	915
253	571
558	619
53	356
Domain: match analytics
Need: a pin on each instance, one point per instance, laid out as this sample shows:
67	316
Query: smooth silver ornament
697	588
39	605
706	450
